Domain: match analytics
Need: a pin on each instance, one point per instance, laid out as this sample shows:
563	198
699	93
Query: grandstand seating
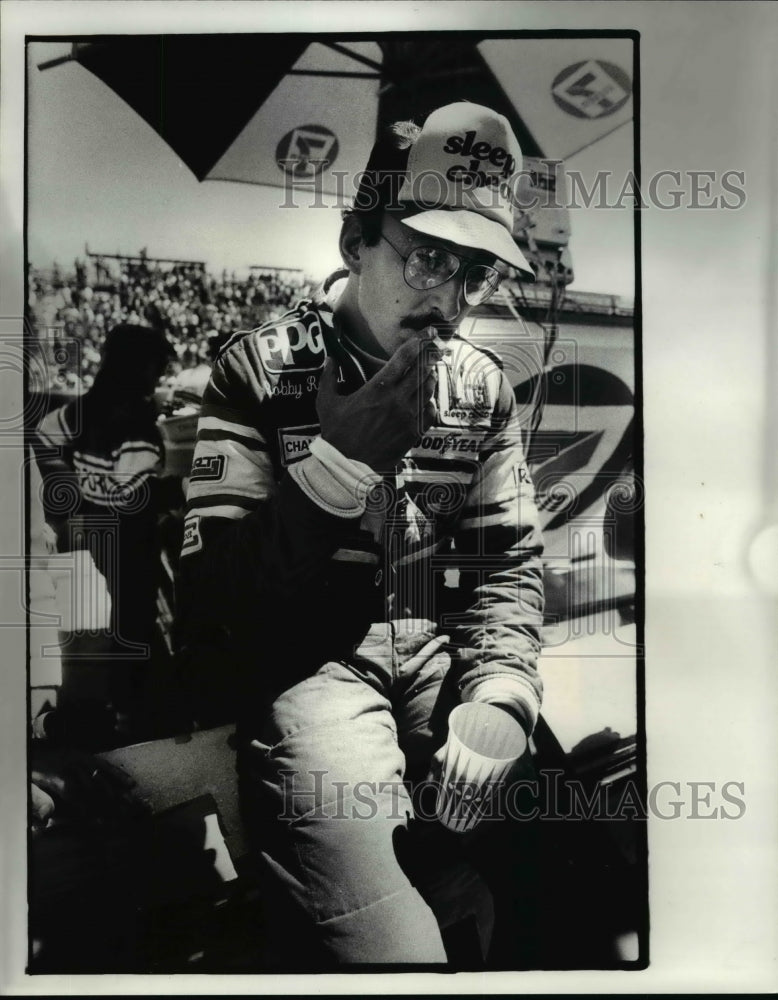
71	311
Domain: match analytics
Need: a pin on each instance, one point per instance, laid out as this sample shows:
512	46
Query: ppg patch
294	345
193	541
208	469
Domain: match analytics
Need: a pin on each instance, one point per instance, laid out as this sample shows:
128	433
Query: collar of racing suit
357	366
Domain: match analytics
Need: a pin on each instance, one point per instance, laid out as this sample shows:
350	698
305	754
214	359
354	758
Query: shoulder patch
293	344
208	469
193	541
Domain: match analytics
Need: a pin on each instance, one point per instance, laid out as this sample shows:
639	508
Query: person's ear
351	244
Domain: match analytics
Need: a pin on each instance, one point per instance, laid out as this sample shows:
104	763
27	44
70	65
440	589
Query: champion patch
294	442
208	469
193	541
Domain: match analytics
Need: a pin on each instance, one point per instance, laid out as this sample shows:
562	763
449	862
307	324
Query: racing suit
314	586
115	452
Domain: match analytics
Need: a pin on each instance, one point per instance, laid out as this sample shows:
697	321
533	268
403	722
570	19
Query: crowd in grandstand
194	307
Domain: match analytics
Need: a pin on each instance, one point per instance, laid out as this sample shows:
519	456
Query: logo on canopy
591	89
306	151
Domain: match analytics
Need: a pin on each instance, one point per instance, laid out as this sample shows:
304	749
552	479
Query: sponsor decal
305	151
439	441
208	469
462	398
294	442
95	485
522	475
193	541
591	89
484	165
296	346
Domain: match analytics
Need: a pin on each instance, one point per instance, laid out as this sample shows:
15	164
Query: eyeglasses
429	267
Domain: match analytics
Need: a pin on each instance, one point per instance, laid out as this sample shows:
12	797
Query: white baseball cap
461	172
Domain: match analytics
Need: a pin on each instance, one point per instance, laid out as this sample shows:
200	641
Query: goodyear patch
294	442
208	469
444	442
193	541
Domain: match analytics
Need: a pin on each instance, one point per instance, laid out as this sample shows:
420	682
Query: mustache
419	323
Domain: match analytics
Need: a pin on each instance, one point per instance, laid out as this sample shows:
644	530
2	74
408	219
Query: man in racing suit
339	451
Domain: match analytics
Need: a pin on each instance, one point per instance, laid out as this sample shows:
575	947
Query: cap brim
470	229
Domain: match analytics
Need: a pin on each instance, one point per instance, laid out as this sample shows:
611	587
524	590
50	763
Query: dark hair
126	354
134	346
382	178
369	223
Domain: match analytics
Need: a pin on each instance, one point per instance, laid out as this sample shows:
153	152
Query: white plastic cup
484	742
